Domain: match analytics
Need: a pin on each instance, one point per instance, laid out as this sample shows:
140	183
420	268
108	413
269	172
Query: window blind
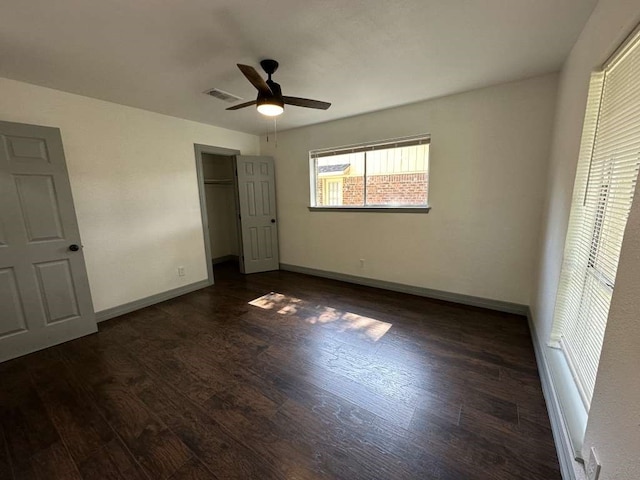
603	192
369	147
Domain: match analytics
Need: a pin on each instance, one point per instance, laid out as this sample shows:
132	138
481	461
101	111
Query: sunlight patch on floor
322	315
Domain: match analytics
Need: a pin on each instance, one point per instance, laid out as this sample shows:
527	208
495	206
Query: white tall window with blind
602	196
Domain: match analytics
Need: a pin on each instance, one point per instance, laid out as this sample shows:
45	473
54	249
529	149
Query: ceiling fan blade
306	102
255	78
242	105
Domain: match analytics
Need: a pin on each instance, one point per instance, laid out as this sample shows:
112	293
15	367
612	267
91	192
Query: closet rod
219	182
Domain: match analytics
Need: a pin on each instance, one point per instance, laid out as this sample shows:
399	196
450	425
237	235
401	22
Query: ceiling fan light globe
270	109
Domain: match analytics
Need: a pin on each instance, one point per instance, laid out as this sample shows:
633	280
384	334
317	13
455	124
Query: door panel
44	290
25	149
39	204
251	199
266	198
12	320
57	290
256	193
268	242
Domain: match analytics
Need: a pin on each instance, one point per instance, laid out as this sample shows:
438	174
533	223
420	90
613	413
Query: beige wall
489	156
614	420
134	185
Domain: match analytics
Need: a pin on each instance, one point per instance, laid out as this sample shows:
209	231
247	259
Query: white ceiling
361	55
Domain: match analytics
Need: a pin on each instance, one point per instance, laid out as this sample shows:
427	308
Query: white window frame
366	147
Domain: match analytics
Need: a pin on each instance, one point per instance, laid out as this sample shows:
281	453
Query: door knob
73	247
273	220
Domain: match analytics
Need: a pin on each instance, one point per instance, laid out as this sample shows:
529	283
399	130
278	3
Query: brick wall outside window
404	189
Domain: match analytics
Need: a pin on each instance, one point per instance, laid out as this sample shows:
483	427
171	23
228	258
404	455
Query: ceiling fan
270	101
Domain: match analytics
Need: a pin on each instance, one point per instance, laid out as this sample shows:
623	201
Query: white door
258	220
44	291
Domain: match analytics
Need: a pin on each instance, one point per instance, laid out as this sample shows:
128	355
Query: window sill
391	209
574	413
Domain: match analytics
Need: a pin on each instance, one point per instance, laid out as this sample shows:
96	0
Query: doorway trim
199	150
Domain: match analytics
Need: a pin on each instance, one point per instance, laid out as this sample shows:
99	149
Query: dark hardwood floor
319	379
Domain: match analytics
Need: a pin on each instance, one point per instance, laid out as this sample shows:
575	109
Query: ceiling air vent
222	95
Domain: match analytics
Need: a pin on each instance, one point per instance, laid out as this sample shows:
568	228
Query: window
605	183
382	175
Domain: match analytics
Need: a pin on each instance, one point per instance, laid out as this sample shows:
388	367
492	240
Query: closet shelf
218	181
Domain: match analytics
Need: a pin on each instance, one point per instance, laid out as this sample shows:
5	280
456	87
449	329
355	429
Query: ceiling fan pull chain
267	124
275	130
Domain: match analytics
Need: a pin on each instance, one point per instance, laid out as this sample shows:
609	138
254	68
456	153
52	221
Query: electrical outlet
362	263
181	271
593	467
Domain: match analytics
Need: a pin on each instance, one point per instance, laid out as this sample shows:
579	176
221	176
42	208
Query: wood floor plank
157	449
473	454
493	406
51	462
216	448
379	376
514	438
193	470
111	462
73	413
27	427
368	440
397	412
287	456
6	469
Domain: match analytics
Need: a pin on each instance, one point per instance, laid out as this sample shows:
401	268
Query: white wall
489	156
614	420
223	231
134	185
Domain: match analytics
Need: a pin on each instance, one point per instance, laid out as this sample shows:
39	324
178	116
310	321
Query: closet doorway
222	209
238	207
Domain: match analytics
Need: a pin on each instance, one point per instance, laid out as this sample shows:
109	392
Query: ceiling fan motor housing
263	100
275	98
275	89
269	66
